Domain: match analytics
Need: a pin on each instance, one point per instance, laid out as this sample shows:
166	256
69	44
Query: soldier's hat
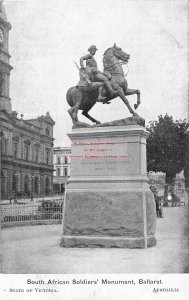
92	47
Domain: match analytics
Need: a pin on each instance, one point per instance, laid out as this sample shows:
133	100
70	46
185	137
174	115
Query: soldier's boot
100	97
110	89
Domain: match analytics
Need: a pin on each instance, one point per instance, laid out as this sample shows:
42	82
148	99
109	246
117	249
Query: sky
46	37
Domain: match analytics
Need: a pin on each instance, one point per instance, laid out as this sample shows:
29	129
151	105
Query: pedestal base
121	219
108	201
106	242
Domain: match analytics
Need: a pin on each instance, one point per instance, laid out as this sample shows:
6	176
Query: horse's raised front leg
85	113
132	92
122	96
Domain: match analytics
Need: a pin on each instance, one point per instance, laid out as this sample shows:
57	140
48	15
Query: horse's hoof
101	99
98	122
135	106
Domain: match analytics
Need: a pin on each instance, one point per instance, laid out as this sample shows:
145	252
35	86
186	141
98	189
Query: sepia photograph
94	149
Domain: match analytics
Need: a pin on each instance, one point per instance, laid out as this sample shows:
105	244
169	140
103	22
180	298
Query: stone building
26	145
62	165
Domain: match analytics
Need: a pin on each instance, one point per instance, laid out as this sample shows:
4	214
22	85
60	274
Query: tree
166	147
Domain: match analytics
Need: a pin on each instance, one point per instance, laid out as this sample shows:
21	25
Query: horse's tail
69	96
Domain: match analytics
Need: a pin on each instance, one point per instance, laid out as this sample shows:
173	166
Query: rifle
83	74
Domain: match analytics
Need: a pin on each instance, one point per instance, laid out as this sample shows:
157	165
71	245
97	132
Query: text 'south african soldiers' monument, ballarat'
108	201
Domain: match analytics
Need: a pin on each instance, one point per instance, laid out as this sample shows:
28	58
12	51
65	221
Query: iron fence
33	212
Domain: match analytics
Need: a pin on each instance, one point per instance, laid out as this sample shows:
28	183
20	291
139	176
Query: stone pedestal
108	201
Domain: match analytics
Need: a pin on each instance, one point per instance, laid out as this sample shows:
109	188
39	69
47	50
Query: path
35	249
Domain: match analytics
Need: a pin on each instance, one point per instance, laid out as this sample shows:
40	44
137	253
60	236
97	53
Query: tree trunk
166	187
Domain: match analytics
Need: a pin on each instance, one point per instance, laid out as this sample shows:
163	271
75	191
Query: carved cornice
5	23
6	65
4	52
5	97
7	159
8	116
98	132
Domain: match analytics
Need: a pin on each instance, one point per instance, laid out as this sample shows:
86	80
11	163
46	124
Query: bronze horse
84	100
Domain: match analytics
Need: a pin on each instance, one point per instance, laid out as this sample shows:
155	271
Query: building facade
26	145
62	165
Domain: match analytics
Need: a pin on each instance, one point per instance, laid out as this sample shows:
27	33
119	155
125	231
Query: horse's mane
107	50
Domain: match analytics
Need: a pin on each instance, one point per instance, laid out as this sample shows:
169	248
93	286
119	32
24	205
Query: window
65	171
58	172
14	182
4	144
1	83
36	158
47	131
26	185
26	152
47	186
15	149
58	160
65	160
3	184
36	185
47	157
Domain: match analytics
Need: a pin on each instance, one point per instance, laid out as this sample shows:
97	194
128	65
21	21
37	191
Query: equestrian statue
95	86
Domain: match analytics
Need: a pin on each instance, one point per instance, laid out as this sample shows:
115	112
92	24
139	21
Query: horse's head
113	58
120	54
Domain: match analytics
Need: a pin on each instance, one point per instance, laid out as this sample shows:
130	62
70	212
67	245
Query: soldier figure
94	75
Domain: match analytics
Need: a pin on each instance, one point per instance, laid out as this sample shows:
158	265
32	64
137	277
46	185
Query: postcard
94	129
